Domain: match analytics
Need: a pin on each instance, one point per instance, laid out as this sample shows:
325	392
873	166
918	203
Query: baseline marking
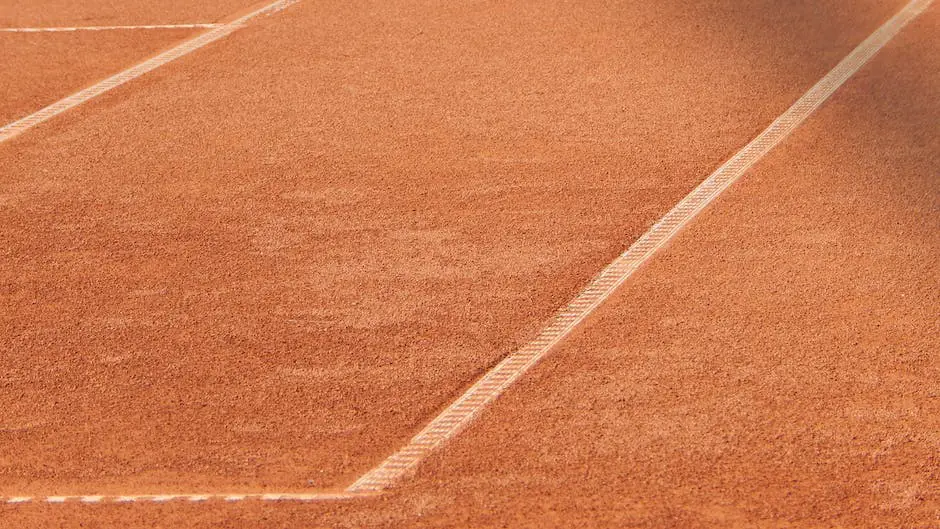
106	28
18	127
469	405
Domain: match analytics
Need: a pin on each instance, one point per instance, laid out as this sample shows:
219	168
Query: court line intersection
20	126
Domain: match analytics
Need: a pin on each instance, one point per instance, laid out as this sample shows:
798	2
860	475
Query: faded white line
167	498
469	405
67	29
18	127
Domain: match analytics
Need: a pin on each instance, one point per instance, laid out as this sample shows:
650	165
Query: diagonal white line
469	405
107	28
18	127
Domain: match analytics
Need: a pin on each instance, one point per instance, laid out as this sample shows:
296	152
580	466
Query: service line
18	127
107	28
468	406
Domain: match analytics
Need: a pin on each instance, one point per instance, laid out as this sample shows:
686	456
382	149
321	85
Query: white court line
107	28
461	412
469	405
18	127
192	498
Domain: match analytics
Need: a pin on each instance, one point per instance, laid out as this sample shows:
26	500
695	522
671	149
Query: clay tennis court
470	264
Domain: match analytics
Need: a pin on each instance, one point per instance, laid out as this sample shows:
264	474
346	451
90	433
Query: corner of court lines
234	497
214	33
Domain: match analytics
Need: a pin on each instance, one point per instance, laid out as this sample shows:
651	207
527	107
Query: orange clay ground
265	265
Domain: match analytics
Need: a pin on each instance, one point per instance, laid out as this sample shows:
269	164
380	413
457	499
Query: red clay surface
403	195
41	68
210	298
52	13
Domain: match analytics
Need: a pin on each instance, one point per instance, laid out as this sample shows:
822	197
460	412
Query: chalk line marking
191	498
18	127
107	28
469	405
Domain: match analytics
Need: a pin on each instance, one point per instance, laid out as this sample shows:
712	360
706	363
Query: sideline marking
468	406
18	127
106	28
